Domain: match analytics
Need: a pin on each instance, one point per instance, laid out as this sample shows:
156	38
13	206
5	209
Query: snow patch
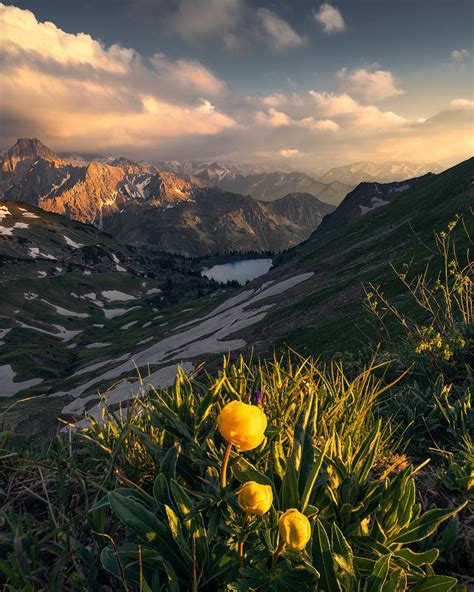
67	313
111	313
377	202
115	295
35	253
9	386
72	243
128	325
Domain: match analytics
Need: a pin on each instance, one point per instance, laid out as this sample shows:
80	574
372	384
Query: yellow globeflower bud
242	425
255	498
295	529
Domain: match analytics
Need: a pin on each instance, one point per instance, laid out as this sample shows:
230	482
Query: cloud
462	104
290	153
201	19
459	55
331	18
277	33
88	95
370	85
75	93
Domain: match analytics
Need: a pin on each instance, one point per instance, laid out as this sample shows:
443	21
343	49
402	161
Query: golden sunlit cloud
77	94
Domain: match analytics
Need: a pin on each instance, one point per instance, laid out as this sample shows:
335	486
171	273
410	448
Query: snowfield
197	337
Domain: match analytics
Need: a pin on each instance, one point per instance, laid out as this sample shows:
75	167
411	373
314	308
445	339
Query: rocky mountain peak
28	149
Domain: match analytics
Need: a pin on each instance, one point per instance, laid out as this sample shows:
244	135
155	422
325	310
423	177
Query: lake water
241	271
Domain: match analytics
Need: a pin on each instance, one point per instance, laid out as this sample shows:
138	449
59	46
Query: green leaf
137	518
195	524
289	488
323	559
423	526
396	583
418	559
341	551
377	579
311	479
168	464
126	491
435	584
244	471
161	491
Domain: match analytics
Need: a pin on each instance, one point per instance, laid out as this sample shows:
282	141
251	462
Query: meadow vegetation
343	475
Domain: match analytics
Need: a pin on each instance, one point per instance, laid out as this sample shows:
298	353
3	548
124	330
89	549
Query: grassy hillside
326	314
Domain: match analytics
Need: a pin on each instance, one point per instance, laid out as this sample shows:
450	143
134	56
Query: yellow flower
255	498
242	425
295	529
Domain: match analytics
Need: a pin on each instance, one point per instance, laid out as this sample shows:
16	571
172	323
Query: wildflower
242	425
258	396
255	498
295	529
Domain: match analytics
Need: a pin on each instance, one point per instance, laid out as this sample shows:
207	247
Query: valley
98	313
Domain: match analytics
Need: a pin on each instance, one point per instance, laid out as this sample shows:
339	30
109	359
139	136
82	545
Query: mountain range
81	310
141	203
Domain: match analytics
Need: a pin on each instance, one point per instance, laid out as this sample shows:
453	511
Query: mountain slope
366	198
215	221
68	292
303	209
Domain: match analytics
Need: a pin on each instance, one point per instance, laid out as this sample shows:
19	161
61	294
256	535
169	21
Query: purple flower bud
258	396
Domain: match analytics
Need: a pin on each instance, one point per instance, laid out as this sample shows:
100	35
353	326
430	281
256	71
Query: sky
301	85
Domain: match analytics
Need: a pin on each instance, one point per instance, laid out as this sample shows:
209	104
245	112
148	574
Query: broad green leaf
311	479
136	517
323	559
289	488
378	577
161	490
418	559
423	526
396	583
244	471
168	464
341	551
435	584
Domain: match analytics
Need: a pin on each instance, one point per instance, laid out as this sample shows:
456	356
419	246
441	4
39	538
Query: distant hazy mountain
382	172
147	204
258	181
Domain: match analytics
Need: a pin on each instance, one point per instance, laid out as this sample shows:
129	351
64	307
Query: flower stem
225	462
240	546
277	554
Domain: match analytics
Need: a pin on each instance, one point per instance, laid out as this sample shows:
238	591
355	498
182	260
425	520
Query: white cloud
370	85
331	18
86	94
272	118
290	153
23	34
462	104
186	75
459	55
277	33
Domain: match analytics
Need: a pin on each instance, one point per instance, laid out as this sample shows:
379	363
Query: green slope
325	314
